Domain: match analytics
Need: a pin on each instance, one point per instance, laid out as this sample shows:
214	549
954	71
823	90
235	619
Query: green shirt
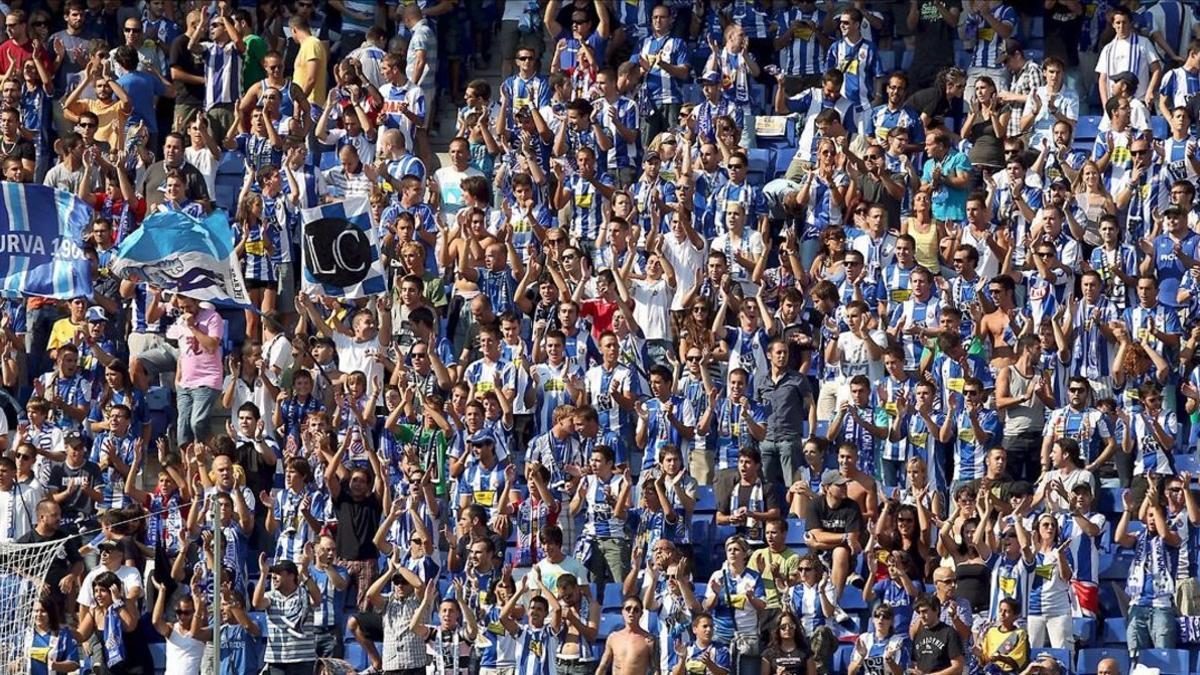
252	68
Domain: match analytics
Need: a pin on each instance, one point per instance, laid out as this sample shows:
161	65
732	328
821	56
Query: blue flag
340	249
175	251
41	242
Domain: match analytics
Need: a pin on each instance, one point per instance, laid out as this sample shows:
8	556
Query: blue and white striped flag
41	242
193	257
340	249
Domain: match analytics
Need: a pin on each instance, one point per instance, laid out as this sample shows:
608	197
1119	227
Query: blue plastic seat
1188	463
760	165
1084	630
1088	660
706	499
783	160
1087	128
852	599
609	623
612	596
1114	631
1109	501
1160	126
841	658
1168	661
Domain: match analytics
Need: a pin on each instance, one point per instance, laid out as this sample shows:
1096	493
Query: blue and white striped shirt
222	74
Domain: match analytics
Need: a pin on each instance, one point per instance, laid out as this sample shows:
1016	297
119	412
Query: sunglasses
184	612
40	24
1076	390
524	58
693	359
414	540
133	29
24	456
737	166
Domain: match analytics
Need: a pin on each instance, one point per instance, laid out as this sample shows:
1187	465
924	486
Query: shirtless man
861	487
631	649
1001	327
579	614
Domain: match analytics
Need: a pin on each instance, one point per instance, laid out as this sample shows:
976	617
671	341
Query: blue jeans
779	460
1150	628
893	473
195	407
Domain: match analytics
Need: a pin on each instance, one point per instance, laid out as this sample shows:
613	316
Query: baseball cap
710	77
1126	77
96	314
832	477
482	437
284	566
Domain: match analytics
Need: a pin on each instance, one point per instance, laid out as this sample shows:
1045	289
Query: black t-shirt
62	475
932	101
20	149
794	662
356	525
730	485
183	59
845	517
62	563
935	647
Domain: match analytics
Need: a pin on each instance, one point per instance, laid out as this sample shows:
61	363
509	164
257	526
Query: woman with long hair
823	191
986	127
789	652
254	248
928	233
1092	201
115	619
898	528
1049	611
829	264
119	389
882	651
53	648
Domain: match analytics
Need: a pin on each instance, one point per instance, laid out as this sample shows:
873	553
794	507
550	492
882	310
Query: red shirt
601	312
13	52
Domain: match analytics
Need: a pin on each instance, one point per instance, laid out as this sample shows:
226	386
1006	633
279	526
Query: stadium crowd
730	336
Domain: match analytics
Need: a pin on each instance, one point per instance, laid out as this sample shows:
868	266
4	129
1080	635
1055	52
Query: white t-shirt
130	578
652	308
204	160
184	653
354	355
451	199
687	260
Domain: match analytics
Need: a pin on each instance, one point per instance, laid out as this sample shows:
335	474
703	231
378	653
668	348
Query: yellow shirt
112	118
1014	644
787	561
312	48
62	333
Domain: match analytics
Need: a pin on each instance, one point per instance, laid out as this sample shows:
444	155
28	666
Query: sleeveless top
927	245
1022	417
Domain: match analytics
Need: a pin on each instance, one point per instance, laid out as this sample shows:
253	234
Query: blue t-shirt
949	203
142	89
